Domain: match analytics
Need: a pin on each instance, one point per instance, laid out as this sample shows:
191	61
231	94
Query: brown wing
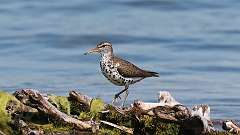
127	69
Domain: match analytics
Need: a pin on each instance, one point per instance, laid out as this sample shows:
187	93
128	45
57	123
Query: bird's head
103	47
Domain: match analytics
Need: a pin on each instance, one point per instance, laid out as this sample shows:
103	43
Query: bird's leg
125	97
118	94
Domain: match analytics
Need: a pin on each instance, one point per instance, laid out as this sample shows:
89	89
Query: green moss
76	107
4	116
105	131
167	129
148	122
86	115
51	128
61	103
117	118
153	125
97	105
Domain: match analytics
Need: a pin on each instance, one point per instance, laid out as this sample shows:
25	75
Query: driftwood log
36	100
194	121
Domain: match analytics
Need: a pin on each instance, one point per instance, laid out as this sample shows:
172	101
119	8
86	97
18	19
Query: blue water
193	44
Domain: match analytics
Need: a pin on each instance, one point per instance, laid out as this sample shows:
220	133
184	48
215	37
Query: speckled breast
111	73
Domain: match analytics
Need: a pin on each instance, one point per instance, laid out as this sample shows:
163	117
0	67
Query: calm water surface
193	44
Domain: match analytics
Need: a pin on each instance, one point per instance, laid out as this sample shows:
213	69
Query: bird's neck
108	56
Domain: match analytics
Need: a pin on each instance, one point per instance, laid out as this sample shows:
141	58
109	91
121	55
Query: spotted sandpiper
118	71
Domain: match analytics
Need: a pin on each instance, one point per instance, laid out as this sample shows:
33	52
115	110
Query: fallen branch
123	128
36	100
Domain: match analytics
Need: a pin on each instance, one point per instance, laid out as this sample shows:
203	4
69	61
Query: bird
117	70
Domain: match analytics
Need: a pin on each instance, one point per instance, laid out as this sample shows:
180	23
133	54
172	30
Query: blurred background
193	44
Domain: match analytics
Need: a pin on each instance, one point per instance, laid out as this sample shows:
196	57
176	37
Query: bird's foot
115	98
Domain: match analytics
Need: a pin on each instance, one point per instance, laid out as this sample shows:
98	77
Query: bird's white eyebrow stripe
104	44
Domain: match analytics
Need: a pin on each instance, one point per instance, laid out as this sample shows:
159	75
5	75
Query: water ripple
206	47
174	5
72	41
214	69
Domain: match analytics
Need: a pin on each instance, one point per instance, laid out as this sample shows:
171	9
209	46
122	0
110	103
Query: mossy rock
61	102
5	118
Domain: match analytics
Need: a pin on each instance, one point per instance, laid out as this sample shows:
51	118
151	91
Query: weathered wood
231	127
17	107
163	111
166	99
36	100
1	133
196	121
167	108
81	98
24	128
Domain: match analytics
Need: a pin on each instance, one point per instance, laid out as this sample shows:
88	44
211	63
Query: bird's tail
153	74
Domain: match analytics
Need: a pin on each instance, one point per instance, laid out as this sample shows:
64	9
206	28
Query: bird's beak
92	51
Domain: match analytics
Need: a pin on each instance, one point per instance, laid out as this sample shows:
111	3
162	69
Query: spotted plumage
112	72
118	71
